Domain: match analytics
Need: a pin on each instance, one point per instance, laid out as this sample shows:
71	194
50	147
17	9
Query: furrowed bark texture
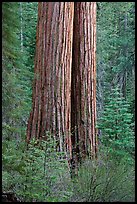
64	89
83	116
52	83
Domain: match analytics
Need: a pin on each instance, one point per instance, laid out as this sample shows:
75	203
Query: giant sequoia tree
64	88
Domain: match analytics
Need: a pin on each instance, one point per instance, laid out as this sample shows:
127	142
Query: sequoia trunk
52	83
83	115
64	89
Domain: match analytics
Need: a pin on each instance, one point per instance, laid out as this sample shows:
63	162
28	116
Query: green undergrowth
34	173
105	180
38	173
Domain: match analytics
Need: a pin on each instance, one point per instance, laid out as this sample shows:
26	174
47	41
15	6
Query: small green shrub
36	173
104	180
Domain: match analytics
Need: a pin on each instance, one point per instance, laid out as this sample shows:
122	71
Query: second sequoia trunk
64	89
83	97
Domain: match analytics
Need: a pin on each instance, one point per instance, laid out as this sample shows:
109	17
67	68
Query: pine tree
115	32
10	62
116	124
17	63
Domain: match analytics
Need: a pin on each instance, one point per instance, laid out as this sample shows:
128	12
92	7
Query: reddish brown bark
83	116
52	83
64	89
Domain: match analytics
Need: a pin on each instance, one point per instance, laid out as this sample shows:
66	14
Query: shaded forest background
39	173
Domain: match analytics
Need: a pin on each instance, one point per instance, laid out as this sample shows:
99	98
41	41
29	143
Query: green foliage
115	50
17	73
36	172
116	125
10	19
10	43
29	22
104	180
